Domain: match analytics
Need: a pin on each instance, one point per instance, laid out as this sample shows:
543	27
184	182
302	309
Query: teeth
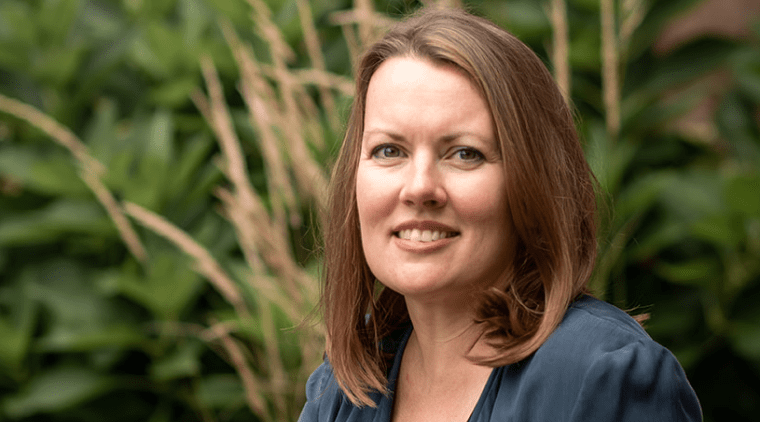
417	235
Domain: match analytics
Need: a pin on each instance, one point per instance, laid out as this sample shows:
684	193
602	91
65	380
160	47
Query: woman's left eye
387	151
468	154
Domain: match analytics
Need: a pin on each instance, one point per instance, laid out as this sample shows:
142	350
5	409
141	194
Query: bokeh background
163	165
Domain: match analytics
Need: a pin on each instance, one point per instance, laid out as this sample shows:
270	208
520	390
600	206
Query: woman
460	241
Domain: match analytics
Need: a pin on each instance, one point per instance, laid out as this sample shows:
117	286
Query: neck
442	339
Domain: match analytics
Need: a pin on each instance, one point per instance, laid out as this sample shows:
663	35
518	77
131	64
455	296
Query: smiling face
430	185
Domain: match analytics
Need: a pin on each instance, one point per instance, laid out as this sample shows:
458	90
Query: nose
423	186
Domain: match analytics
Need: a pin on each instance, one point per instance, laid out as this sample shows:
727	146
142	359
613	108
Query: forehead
400	78
402	69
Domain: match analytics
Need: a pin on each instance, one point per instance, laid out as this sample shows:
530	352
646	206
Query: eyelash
478	155
380	148
384	148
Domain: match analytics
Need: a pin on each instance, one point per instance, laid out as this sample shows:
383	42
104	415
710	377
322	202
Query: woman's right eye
387	151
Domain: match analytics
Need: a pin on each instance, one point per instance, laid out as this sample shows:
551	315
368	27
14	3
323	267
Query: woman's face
430	186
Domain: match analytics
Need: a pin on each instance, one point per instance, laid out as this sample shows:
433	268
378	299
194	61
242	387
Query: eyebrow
445	138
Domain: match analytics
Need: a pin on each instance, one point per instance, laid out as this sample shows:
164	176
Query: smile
417	235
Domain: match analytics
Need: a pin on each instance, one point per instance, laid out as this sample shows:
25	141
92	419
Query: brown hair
550	191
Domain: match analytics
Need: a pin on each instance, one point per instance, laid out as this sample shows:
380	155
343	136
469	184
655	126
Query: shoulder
322	394
591	326
325	401
598	365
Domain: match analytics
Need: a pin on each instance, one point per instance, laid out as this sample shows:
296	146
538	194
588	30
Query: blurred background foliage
162	174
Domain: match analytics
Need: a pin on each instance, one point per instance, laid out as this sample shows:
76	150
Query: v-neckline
393	378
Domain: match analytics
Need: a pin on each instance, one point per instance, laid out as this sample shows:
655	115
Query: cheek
481	201
374	198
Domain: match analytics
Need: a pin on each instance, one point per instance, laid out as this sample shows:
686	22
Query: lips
424	231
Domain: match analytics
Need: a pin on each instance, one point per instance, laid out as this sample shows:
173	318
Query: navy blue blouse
598	365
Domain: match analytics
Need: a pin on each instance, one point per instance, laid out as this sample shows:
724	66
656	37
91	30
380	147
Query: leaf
743	194
168	287
174	93
195	20
639	195
221	391
16	324
58	65
51	173
656	237
57	17
87	338
719	229
48	223
194	155
55	390
698	271
184	361
745	338
78	316
608	161
526	18
100	134
160	138
693	195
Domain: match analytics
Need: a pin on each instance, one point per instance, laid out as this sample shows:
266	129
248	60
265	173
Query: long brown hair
550	191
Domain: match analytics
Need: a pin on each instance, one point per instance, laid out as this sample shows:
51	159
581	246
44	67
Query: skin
430	162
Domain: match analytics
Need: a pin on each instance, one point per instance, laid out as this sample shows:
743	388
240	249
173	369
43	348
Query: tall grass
287	121
289	108
288	125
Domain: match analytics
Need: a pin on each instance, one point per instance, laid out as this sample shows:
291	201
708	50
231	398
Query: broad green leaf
56	17
18	39
196	18
193	154
221	391
657	237
640	194
739	126
693	195
159	143
54	220
57	389
18	316
167	289
100	22
608	160
526	18
698	272
720	229
182	362
84	339
73	305
743	194
100	135
58	66
52	173
585	45
745	338
175	92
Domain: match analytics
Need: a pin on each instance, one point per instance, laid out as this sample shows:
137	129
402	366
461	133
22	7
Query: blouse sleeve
315	390
641	381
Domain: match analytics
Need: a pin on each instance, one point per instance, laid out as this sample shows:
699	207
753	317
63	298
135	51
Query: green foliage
90	331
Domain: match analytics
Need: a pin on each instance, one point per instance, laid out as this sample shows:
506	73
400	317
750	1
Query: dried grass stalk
310	179
560	45
205	262
262	105
632	14
314	50
254	393
90	169
610	63
368	22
